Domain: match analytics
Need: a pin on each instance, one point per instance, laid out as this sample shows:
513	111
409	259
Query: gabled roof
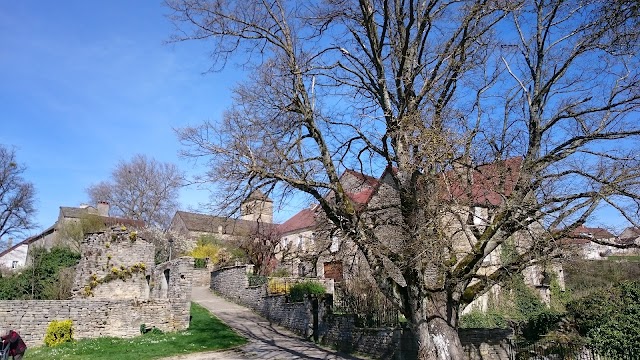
77	213
490	183
366	179
583	234
304	219
29	240
211	223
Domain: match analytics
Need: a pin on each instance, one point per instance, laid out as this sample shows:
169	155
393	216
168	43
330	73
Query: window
335	244
14	264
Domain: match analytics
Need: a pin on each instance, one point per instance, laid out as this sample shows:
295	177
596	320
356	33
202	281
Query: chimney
9	243
103	208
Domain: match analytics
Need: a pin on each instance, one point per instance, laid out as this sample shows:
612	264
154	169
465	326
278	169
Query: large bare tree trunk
433	318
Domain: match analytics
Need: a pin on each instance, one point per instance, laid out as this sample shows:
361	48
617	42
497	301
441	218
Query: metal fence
371	310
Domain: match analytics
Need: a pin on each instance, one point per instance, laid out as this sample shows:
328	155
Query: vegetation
205	333
610	319
141	189
44	279
583	277
59	332
519	307
17	197
535	99
298	291
219	252
71	233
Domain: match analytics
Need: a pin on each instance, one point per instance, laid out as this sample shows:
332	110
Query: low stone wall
340	330
93	318
201	277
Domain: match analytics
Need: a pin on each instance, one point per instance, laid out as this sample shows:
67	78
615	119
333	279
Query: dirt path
266	341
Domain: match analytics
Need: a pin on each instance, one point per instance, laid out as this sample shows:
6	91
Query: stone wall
201	277
93	318
340	330
172	279
111	253
117	288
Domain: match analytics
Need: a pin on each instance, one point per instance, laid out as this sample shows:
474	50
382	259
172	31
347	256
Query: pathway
266	341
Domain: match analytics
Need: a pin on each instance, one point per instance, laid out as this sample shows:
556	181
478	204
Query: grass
205	333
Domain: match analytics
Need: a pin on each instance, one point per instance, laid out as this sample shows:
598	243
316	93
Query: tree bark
434	325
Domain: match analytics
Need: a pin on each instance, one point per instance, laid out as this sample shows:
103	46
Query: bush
59	332
299	290
610	318
199	263
476	319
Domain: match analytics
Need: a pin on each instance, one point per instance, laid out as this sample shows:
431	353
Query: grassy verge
205	333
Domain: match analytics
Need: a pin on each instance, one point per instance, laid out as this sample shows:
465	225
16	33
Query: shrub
299	290
492	319
199	263
610	318
152	330
59	332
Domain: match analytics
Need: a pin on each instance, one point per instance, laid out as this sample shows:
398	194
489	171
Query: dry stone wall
93	318
117	289
116	263
340	330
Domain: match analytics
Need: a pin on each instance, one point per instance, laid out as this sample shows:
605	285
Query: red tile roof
366	179
490	182
583	234
304	219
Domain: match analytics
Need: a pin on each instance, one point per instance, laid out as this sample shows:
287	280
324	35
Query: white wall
19	254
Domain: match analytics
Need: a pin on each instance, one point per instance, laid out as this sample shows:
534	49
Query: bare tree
17	196
142	189
497	121
260	246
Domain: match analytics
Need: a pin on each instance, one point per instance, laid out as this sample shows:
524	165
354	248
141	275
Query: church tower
257	207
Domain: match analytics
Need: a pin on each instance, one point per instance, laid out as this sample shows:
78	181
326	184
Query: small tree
141	189
17	196
72	233
260	247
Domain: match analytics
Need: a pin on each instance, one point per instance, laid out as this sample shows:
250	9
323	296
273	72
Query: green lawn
206	333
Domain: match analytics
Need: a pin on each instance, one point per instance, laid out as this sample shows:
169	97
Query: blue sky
85	84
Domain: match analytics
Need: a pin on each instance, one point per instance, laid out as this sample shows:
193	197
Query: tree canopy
17	196
141	189
495	120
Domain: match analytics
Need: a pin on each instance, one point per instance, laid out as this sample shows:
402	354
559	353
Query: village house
256	214
312	249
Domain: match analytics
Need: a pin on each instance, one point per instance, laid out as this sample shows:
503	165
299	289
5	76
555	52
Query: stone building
472	205
256	215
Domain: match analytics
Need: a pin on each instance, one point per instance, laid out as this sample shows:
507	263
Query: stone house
256	215
309	247
332	256
630	235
